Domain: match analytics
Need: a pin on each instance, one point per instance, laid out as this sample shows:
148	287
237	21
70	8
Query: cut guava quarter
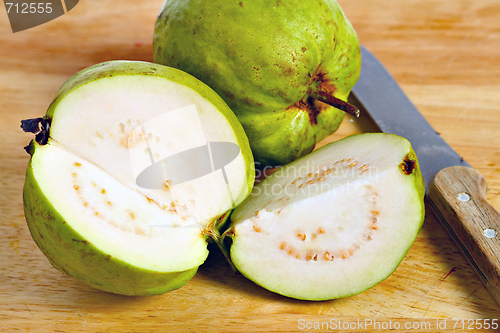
333	223
131	168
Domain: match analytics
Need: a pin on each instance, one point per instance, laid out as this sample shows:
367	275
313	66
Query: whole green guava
285	67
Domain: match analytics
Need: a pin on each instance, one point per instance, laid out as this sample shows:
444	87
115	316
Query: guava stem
329	99
214	231
31	125
39	126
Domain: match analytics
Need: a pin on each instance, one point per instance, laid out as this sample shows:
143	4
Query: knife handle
458	195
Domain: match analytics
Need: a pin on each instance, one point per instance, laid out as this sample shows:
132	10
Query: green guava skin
266	59
66	249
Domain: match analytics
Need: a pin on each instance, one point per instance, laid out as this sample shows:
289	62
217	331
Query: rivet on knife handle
458	195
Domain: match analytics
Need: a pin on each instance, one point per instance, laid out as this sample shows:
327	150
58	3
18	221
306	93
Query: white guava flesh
333	223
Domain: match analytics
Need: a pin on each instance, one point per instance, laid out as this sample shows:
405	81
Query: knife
456	192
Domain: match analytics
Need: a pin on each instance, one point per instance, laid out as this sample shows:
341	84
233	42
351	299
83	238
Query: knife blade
455	191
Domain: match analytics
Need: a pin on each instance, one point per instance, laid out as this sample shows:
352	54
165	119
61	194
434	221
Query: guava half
333	223
127	179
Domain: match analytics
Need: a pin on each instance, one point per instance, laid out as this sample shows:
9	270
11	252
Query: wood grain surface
444	53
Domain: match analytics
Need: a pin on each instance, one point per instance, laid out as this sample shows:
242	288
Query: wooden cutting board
446	56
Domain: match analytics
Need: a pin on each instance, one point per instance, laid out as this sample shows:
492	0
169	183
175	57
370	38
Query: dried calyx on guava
334	223
121	191
284	67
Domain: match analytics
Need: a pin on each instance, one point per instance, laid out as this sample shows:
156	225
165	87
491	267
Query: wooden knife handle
457	194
